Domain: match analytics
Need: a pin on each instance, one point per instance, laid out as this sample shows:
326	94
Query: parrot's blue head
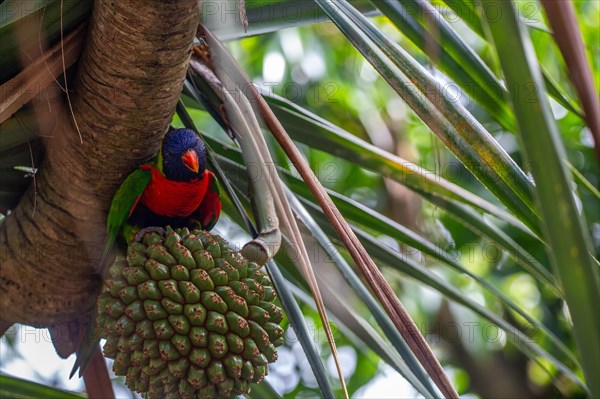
183	155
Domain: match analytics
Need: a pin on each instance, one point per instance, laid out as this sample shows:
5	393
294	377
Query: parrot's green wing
123	204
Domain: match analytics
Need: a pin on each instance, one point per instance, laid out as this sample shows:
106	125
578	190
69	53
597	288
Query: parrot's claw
152	229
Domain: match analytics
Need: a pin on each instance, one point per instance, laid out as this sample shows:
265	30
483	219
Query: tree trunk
129	78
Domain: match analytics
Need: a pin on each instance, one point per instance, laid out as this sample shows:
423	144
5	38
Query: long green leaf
310	129
374	220
450	54
559	95
564	227
583	182
468	13
16	388
458	130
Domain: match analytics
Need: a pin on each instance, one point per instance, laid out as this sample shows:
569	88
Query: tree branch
129	79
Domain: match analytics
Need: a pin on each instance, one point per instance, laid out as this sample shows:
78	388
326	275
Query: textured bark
129	79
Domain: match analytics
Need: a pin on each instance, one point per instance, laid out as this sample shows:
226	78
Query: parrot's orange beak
190	160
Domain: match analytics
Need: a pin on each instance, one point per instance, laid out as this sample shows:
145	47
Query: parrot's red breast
171	198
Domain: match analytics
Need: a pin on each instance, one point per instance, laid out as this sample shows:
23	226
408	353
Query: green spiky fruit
185	316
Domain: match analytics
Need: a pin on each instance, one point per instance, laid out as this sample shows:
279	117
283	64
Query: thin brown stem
96	378
562	20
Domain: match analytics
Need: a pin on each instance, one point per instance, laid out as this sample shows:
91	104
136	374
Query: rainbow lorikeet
174	189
